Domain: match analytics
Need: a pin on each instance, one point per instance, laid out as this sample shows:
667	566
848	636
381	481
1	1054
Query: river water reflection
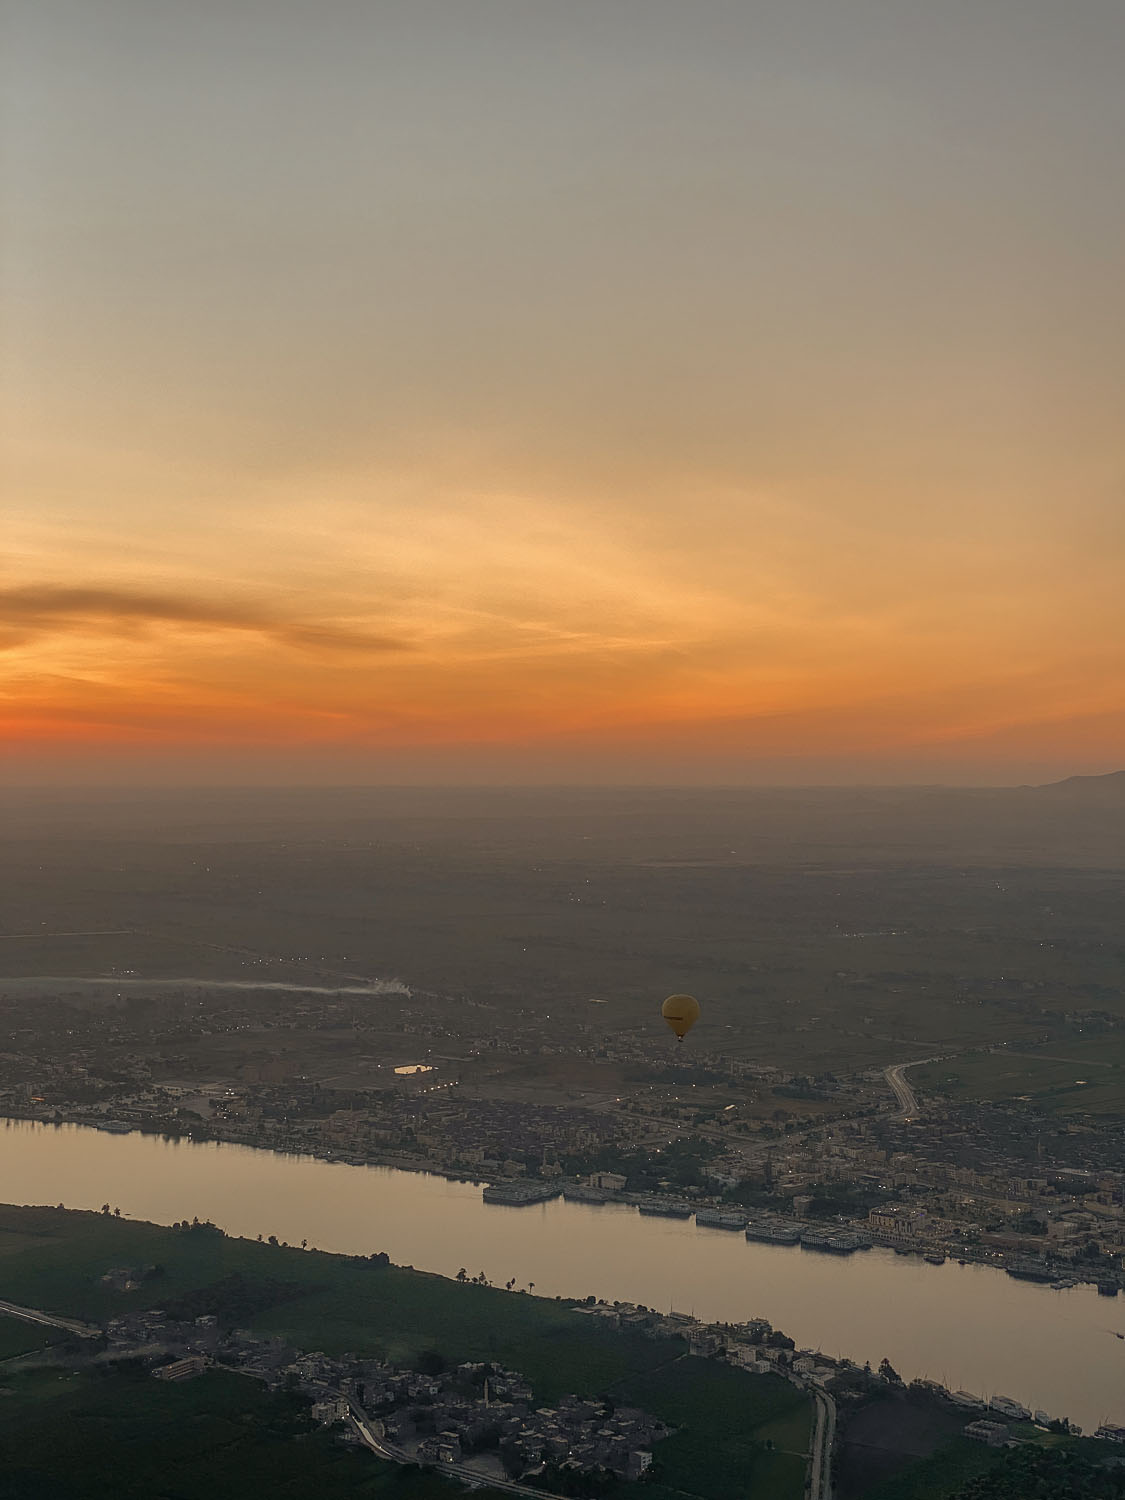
969	1326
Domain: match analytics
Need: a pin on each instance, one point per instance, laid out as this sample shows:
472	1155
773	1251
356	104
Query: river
971	1327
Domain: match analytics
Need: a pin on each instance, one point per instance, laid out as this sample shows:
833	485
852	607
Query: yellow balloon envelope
681	1012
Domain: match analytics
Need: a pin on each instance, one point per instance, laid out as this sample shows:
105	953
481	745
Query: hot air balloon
681	1012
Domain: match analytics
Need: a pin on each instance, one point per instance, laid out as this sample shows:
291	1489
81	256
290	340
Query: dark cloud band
34	611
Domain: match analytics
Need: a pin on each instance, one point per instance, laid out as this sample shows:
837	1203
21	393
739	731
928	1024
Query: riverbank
170	1130
739	1434
527	1192
353	1306
968	1327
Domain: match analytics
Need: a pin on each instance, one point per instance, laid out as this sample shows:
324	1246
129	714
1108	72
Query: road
819	1485
33	1315
907	1103
1076	1062
463	1472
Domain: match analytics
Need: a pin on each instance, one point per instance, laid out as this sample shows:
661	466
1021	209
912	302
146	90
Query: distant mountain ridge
1104	790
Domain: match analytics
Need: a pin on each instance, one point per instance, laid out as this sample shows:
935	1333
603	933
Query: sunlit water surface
971	1327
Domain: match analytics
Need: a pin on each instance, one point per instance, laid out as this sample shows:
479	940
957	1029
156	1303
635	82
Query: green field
124	1436
945	1474
723	1417
1065	1077
18	1337
942	1475
54	1260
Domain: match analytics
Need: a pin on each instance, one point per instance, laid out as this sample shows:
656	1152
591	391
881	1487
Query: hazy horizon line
55	788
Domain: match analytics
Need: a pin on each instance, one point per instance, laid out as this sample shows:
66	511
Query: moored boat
665	1208
519	1194
581	1192
719	1218
773	1232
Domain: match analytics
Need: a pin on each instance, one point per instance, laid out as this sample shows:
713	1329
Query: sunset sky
549	390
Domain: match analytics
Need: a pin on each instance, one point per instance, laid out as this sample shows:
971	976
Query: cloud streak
37	611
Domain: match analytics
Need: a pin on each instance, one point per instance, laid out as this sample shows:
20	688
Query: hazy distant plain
822	929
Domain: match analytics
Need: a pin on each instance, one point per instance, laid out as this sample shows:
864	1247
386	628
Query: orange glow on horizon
514	394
